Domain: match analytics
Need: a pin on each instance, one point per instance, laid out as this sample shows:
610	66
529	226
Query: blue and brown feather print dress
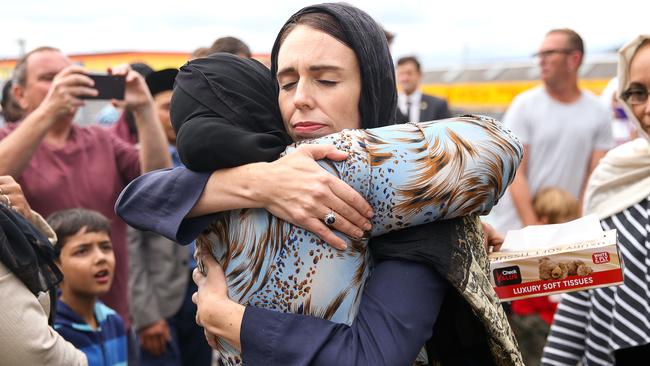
410	174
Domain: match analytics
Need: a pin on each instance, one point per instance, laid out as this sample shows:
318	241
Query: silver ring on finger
330	218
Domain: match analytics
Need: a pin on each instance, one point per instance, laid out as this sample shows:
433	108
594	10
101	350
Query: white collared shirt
415	100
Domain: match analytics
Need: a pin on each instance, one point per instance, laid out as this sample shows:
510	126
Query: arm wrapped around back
417	173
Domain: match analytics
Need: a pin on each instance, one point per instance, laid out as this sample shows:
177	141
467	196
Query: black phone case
109	86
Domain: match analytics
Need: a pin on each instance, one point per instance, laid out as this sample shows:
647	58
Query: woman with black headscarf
466	257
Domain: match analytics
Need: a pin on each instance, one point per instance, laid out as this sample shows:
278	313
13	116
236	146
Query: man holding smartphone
61	165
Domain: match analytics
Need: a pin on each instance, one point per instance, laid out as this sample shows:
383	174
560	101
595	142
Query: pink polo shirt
88	172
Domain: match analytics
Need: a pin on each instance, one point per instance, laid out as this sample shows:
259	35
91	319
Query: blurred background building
489	88
485	88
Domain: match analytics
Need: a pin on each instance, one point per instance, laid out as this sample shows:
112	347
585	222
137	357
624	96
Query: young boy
85	257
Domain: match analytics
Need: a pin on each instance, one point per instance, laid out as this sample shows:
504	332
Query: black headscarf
378	101
225	111
161	80
28	254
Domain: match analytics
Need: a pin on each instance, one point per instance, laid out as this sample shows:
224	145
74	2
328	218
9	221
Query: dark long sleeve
396	316
159	201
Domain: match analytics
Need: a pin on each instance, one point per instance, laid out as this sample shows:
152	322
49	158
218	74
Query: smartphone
108	86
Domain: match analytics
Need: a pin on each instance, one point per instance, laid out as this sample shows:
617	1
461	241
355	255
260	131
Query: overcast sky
439	32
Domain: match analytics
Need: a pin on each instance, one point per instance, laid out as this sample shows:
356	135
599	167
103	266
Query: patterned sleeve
417	173
565	344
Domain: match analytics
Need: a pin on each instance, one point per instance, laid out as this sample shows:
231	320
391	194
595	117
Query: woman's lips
307	127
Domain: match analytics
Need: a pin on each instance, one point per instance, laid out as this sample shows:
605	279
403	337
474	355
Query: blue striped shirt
104	346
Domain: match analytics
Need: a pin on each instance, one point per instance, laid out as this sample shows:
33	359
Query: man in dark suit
413	105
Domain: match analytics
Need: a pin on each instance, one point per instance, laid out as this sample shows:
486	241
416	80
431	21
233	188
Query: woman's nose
303	97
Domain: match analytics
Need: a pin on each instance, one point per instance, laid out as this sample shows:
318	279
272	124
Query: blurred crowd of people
125	295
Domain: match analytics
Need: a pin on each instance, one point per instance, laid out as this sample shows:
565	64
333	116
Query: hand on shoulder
298	190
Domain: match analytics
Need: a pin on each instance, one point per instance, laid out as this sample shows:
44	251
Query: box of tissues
550	259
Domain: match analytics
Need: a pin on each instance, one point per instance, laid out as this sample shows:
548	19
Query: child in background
555	206
531	318
85	257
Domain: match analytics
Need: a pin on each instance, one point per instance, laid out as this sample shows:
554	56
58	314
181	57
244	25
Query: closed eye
328	82
288	86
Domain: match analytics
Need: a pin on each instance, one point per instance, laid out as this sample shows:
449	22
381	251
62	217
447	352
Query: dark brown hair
67	223
11	110
411	59
320	21
200	52
230	45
